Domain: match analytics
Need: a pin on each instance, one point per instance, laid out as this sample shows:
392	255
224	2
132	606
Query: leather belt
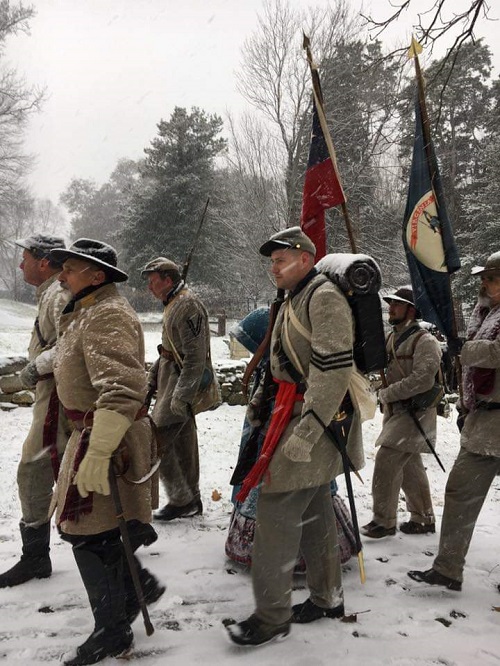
487	406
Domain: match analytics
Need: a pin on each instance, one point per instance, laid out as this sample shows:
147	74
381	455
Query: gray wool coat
185	327
51	300
322	309
411	372
100	365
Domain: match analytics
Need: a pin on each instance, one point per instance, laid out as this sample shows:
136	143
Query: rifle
264	346
185	268
415	420
127	547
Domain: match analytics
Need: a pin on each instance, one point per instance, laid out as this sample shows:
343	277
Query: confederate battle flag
322	188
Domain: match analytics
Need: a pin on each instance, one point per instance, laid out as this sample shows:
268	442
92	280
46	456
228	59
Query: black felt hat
96	252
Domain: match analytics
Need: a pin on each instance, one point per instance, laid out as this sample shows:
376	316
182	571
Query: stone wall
12	395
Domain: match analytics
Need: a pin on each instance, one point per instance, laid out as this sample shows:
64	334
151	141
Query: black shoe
170	512
26	569
433	577
152	590
375	531
309	612
412	527
254	632
102	643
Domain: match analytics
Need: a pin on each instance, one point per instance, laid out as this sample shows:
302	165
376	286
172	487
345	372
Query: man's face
289	266
32	269
490	284
77	275
398	312
159	286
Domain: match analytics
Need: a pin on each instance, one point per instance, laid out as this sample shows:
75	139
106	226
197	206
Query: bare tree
437	20
275	77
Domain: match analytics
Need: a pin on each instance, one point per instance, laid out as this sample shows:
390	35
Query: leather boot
101	569
152	590
35	559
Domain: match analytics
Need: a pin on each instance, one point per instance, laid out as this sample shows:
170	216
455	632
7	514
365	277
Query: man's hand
29	375
297	449
455	346
253	409
179	407
107	432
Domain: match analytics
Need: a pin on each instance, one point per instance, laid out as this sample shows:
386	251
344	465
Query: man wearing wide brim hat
478	462
44	443
102	384
95	253
403	295
184	382
414	357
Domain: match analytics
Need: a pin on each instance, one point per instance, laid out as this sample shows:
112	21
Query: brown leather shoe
375	531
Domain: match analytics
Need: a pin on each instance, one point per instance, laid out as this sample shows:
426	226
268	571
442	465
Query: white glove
297	449
179	407
29	375
107	432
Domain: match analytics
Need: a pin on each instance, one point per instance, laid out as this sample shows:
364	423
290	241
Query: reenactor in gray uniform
178	375
48	433
414	360
102	384
478	461
311	362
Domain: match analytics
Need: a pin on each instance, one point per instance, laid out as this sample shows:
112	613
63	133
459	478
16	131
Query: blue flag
428	239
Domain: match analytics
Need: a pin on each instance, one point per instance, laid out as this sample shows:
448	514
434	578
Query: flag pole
318	99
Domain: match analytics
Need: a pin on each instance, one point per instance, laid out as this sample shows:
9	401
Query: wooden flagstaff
318	98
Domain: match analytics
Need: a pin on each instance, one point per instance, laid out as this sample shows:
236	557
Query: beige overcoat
411	372
185	327
100	365
481	432
51	300
327	362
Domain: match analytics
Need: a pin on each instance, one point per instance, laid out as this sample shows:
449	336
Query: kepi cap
292	238
96	252
159	264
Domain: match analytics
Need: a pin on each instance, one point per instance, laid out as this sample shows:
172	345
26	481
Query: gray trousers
180	467
395	471
284	523
35	481
466	489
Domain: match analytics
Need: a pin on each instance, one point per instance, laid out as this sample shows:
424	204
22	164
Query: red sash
75	505
286	398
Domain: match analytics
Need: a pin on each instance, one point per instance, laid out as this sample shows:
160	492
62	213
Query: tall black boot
101	568
35	559
152	590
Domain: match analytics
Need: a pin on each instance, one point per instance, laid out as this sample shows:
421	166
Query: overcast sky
113	68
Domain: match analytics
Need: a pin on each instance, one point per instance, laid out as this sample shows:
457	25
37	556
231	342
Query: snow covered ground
399	622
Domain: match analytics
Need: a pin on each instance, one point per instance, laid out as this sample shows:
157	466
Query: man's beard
394	321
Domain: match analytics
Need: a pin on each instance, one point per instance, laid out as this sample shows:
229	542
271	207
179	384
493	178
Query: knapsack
358	277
